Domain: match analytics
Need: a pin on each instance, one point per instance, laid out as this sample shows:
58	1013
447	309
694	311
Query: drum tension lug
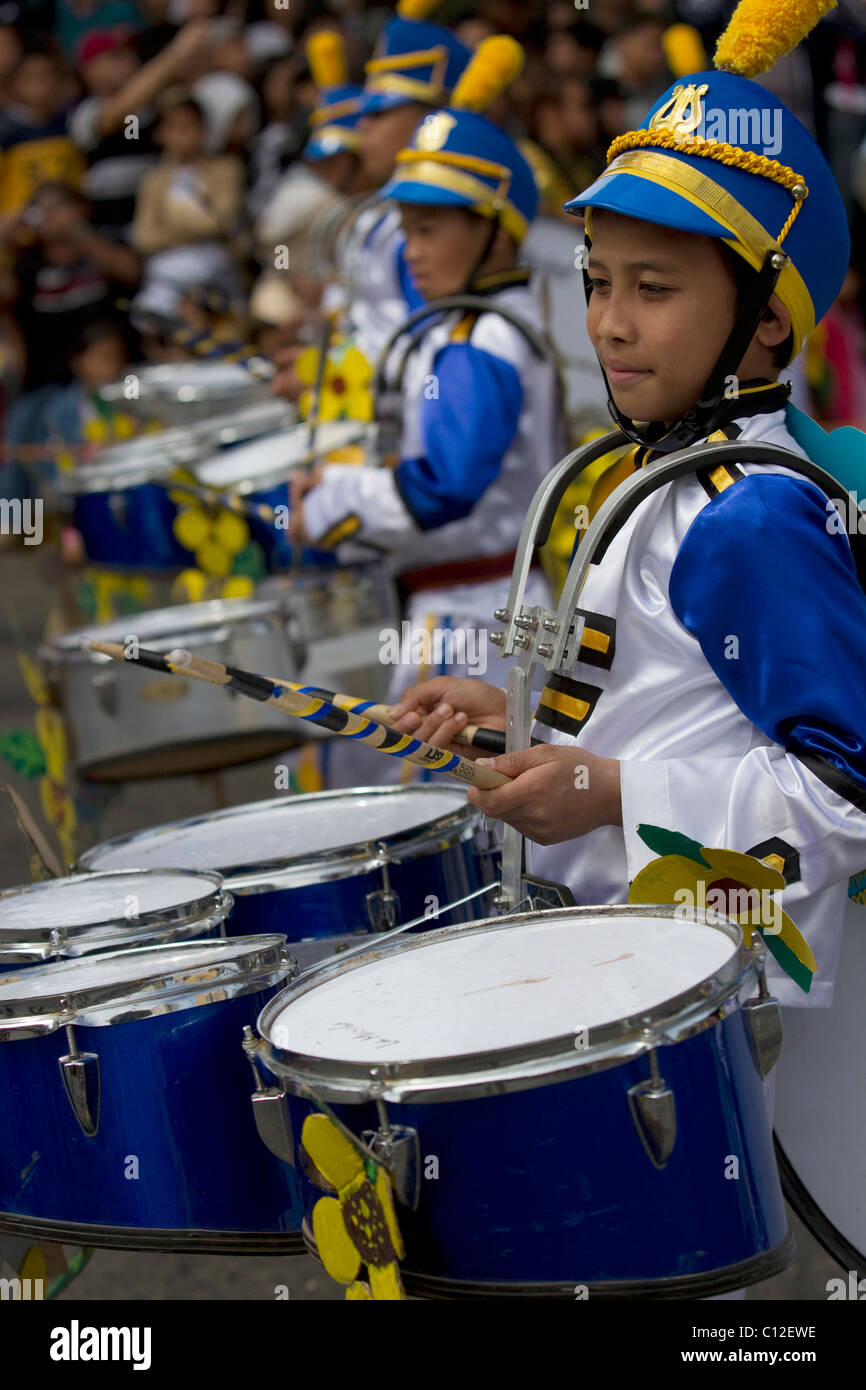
383	904
399	1148
653	1112
80	1074
764	1026
270	1109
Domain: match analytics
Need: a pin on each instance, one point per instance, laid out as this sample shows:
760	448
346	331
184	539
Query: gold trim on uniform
341	531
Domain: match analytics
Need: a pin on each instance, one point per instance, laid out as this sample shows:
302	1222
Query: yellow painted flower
358	1226
213	535
194	586
737	885
346	393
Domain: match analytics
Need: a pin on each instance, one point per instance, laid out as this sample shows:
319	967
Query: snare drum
127	722
124	1101
260	470
587	1083
179	392
325	867
86	913
121	505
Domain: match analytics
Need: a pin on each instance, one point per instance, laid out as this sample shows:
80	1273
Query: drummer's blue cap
335	117
415	60
459	158
720	156
334	123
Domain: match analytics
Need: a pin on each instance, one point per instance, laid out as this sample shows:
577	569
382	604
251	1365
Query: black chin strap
716	406
485	255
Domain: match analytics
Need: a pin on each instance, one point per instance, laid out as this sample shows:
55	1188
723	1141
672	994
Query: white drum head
83	900
272	832
492	990
275	454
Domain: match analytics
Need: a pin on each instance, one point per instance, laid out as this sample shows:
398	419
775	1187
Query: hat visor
372	103
403	190
332	144
632	196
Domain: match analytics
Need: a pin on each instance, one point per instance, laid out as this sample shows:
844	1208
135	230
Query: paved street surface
26	597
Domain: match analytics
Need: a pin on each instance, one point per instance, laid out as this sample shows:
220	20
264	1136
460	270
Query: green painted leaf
24	753
662	842
250	562
800	973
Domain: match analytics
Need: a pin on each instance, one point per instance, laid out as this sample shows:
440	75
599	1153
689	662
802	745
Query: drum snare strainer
586	1081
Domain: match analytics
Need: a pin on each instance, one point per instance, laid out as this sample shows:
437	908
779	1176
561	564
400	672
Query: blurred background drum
260	471
126	724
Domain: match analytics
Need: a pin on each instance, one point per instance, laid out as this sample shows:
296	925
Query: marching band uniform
721	661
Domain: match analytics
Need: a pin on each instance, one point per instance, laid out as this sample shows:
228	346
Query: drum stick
316	711
473	736
257	511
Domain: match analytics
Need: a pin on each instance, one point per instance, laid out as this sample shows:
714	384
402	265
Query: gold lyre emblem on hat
683	113
434	132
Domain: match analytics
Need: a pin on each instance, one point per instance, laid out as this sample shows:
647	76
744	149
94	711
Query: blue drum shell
339	907
551	1186
274	540
130	529
175	1094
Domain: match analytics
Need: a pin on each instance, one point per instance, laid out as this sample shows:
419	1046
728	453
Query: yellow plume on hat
684	50
416	9
762	31
326	56
495	65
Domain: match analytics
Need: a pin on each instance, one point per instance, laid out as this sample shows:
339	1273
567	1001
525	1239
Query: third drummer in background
480	406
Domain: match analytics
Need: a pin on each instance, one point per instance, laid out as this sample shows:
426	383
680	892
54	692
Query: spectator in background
564	125
67	276
231	112
635	56
574	51
473	30
34	145
75	18
611	111
75	413
187	213
10	53
282	136
113	126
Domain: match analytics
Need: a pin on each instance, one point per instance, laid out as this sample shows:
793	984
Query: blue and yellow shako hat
414	61
721	156
459	158
335	118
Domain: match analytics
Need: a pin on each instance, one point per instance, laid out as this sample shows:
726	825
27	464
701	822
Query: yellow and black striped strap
566	704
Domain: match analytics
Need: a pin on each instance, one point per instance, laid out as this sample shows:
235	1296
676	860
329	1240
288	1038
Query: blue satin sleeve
469	418
771	592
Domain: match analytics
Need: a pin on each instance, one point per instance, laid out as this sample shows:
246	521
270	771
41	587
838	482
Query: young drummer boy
728	703
480	425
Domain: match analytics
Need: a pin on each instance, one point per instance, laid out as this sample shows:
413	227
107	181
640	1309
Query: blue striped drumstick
316	710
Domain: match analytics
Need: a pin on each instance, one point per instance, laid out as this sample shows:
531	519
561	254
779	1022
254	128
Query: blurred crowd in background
145	148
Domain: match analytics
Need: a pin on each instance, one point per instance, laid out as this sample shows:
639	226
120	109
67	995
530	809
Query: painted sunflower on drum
346	393
358	1226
